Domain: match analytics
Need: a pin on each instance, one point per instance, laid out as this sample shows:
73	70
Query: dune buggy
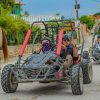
47	66
95	50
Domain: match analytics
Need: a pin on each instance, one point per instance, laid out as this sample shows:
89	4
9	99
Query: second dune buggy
95	50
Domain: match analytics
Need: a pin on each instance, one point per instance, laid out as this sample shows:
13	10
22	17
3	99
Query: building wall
83	28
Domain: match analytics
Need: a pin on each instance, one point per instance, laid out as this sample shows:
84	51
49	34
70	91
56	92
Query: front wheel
77	79
8	80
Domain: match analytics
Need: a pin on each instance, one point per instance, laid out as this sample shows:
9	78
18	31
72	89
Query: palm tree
26	13
3	44
7	3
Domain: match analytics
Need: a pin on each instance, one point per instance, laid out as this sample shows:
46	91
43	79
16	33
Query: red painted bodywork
25	42
59	42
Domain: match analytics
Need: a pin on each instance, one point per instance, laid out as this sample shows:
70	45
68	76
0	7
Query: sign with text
69	26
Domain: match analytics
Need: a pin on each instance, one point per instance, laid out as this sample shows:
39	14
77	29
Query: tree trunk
0	38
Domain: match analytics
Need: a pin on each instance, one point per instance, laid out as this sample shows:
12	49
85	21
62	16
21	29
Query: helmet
98	36
67	37
46	38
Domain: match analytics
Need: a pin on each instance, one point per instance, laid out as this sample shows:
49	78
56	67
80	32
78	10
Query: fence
31	19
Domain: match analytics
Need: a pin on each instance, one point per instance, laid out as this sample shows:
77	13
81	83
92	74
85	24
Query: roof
98	17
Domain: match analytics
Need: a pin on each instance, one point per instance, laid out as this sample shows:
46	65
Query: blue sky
64	7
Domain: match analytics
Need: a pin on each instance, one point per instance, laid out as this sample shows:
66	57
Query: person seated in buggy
97	43
45	46
69	52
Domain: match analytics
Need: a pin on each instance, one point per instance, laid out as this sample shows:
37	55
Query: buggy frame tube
45	22
59	42
82	44
25	42
34	42
93	37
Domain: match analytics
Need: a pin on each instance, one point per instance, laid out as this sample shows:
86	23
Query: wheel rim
12	80
81	79
90	72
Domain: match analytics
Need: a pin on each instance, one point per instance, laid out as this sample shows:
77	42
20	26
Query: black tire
86	55
87	72
77	80
7	77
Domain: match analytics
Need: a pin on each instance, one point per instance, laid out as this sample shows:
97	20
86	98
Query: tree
15	26
6	21
7	3
26	13
97	14
88	21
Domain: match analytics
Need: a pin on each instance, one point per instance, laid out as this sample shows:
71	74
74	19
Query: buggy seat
39	60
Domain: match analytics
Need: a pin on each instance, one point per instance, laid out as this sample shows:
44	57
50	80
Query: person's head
46	45
67	39
98	39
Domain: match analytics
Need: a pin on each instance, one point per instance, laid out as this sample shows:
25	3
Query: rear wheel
86	55
8	80
77	80
87	72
